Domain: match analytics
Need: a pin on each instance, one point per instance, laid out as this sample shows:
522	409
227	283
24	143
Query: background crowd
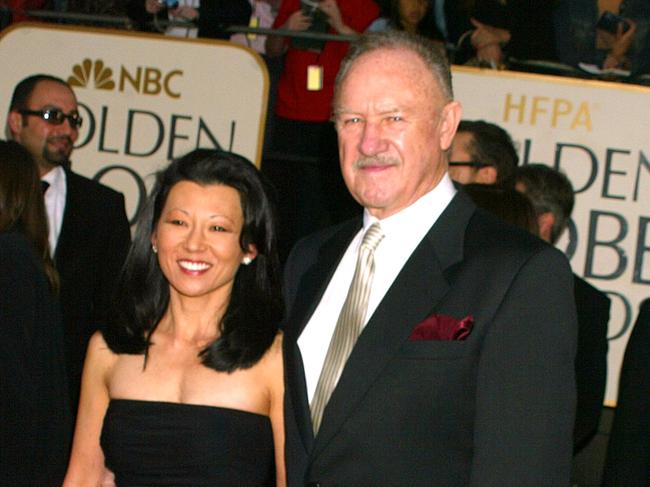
73	294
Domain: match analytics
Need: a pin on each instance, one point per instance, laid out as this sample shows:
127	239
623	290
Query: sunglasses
55	116
469	164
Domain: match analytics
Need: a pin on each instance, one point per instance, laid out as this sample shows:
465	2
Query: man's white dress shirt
55	204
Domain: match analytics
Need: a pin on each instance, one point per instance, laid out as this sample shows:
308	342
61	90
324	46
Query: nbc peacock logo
144	80
102	76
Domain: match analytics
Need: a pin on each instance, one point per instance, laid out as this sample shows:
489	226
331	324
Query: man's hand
152	6
331	9
621	44
297	21
487	41
185	12
108	479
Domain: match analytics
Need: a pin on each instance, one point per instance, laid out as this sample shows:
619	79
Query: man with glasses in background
88	229
482	153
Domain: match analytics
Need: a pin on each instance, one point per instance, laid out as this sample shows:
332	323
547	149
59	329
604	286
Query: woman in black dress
185	385
35	424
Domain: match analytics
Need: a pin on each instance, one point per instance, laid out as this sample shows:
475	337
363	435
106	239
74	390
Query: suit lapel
392	322
312	286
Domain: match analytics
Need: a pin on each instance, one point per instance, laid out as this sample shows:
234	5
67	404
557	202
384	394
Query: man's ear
15	124
486	175
545	223
449	120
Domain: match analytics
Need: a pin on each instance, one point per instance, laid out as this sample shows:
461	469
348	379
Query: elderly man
427	343
89	232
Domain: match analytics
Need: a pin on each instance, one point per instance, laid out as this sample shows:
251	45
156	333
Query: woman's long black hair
253	314
426	27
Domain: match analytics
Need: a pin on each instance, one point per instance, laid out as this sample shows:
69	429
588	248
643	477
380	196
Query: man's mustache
56	138
375	161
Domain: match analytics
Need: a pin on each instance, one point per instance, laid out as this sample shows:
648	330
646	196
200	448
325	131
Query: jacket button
313	484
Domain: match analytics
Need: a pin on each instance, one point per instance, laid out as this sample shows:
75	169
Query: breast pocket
434	349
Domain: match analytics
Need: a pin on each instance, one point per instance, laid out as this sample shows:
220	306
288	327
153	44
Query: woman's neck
193	320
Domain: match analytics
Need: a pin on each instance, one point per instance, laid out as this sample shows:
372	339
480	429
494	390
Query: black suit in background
592	307
93	243
628	454
35	419
494	410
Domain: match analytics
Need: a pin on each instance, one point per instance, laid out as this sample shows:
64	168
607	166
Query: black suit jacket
628	455
592	306
93	243
496	409
35	419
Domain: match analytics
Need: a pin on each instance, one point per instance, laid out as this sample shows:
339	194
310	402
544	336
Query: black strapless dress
148	443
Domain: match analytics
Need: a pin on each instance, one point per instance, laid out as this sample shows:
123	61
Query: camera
609	22
170	4
309	7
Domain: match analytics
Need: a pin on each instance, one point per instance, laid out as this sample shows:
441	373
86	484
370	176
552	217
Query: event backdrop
146	99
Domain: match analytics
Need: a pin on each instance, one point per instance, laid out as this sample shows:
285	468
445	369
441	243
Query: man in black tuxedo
551	194
462	374
628	454
88	228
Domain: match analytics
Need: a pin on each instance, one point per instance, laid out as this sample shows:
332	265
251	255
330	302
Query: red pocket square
442	327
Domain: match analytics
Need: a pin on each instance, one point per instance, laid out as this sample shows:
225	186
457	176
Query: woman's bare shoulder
272	358
99	354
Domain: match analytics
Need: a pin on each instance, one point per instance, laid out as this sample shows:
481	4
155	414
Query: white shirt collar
421	215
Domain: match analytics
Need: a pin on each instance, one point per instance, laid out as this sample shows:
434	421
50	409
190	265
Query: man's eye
395	118
218	228
352	120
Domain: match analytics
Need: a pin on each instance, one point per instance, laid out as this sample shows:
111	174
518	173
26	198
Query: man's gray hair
430	53
550	191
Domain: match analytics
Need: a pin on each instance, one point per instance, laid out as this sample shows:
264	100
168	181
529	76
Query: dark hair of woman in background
21	203
414	16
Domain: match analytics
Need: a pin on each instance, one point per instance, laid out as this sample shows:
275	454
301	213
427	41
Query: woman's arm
622	43
86	466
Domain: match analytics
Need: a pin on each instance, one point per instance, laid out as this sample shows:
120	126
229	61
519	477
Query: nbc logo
145	80
102	75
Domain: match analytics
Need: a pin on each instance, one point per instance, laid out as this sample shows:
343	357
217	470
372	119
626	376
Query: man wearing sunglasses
88	229
482	153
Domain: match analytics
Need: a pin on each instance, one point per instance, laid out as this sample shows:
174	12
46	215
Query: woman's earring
246	260
154	248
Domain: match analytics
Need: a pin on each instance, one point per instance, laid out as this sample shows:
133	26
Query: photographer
614	35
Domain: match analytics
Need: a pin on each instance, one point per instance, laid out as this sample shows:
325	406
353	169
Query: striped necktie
349	324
